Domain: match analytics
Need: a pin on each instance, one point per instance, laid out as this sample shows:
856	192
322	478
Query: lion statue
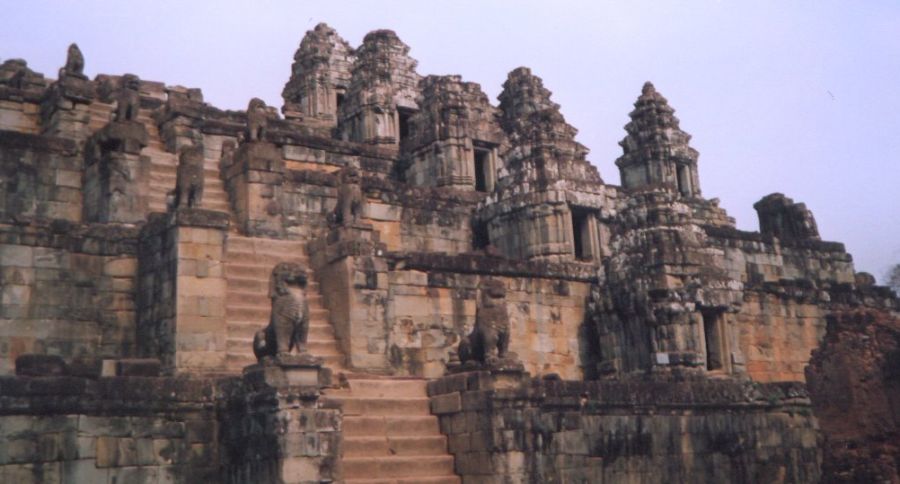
189	178
74	63
488	344
289	324
257	120
350	199
128	100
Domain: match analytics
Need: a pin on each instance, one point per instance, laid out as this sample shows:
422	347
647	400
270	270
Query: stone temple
393	280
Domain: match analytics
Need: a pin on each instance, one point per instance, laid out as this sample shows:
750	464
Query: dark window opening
339	101
403	116
715	339
581	234
482	165
480	236
682	181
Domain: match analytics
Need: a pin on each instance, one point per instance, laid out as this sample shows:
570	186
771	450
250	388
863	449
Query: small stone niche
585	235
715	339
484	156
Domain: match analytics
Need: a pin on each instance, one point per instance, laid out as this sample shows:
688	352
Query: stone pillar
277	430
65	108
463	403
254	182
181	291
179	121
116	175
354	285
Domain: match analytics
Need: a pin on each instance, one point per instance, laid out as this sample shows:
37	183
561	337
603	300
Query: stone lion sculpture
289	325
350	200
74	62
128	100
488	344
189	178
257	120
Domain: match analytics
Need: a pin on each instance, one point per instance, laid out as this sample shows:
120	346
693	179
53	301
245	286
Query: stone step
169	178
387	388
392	406
255	292
257	313
317	331
397	466
257	273
258	285
318	348
160	168
264	259
411	480
263	244
260	297
376	446
209	203
236	361
375	426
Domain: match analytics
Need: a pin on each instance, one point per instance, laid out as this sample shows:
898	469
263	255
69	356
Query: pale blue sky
790	96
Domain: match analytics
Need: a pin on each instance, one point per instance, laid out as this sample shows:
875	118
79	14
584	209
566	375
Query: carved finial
656	141
257	120
74	62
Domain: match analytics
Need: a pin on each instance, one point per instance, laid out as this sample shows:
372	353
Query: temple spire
656	152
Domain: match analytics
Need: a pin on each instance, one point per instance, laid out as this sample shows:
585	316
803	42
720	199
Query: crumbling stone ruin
396	280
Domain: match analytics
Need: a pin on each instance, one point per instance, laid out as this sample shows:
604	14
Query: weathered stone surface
140	226
854	383
656	150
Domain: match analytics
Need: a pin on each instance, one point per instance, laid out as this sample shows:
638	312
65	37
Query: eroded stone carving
257	120
350	202
189	178
781	217
128	100
488	344
289	324
74	63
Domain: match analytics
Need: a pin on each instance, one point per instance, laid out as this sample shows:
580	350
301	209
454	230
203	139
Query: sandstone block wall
182	290
854	383
111	430
512	428
19	115
66	292
41	178
428	312
277	434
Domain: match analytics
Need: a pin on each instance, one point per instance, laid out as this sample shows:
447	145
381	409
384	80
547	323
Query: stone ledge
21	395
198	217
731	233
631	394
486	265
17	140
95	239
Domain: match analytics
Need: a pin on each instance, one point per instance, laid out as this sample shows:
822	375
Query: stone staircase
248	267
163	165
389	433
163	168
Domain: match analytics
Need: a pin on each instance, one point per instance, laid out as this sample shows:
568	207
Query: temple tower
383	91
320	78
548	200
454	138
656	150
